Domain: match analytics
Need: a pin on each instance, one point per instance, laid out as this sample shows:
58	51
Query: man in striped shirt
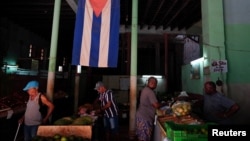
109	110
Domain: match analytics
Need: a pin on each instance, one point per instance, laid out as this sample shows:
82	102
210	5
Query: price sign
219	66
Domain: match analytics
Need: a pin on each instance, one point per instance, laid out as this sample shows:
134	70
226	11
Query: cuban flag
96	35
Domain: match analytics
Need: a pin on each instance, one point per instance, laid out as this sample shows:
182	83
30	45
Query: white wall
118	84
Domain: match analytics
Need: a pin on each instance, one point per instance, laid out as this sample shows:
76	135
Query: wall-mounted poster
195	72
206	70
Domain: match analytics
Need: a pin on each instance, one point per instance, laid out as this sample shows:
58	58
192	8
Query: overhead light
180	37
60	68
79	69
156	76
197	61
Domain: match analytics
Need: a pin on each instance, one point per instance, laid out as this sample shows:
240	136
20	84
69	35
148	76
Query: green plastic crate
185	132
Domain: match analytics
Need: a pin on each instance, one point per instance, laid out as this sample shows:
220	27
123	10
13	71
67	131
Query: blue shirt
216	104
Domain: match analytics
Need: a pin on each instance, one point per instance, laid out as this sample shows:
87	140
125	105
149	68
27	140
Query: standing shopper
217	107
110	112
146	111
32	117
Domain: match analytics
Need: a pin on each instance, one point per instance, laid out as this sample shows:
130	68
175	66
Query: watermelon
63	121
84	120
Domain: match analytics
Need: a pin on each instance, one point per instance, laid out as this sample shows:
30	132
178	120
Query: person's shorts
144	129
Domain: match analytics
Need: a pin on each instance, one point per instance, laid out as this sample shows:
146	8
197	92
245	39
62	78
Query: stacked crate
186	132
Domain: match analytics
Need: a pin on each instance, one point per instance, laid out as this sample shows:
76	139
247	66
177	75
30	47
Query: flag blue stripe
78	33
113	46
114	33
95	40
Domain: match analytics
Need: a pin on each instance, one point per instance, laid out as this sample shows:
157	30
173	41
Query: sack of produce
181	108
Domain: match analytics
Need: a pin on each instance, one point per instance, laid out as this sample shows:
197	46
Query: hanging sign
219	66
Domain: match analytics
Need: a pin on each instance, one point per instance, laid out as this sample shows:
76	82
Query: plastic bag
181	108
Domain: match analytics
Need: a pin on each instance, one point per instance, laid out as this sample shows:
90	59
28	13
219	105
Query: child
86	109
83	111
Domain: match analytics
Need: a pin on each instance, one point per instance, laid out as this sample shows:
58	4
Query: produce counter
160	132
170	127
76	127
170	131
13	104
84	131
7	113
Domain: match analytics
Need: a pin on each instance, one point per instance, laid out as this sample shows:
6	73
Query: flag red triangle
98	5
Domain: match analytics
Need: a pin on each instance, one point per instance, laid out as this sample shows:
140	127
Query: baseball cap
98	85
31	84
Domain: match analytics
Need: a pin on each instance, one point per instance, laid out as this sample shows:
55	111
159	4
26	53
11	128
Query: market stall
13	104
65	131
177	122
79	128
170	128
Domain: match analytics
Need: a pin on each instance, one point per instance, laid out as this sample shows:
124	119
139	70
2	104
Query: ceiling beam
156	13
167	13
177	13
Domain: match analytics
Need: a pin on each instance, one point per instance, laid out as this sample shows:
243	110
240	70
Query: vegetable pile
181	108
84	120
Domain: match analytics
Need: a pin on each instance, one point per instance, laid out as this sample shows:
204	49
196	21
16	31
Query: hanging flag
96	36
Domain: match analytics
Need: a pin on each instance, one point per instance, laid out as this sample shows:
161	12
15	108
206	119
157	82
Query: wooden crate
84	131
